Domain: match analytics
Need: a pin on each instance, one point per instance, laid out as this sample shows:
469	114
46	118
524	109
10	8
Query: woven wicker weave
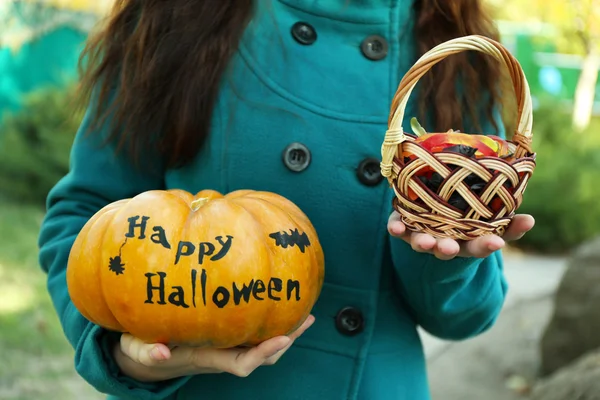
431	212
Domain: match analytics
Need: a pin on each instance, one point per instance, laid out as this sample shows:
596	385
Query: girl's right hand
157	362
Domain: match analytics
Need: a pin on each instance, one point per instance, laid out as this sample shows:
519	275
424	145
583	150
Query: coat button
349	321
296	157
374	47
304	33
369	172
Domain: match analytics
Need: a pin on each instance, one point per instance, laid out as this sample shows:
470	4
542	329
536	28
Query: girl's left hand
447	249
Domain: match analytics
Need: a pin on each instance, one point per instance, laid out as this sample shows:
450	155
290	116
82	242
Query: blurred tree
35	144
23	21
587	29
563	193
578	33
39	46
95	6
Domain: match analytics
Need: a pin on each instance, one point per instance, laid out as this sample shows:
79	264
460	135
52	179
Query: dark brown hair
159	65
439	21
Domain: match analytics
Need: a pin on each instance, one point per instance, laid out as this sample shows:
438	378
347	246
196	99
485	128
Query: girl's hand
447	249
157	362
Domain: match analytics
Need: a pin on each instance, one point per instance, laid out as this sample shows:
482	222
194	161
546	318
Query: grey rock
575	323
579	380
499	364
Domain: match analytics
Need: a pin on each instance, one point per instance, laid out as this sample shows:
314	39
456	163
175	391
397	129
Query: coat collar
365	11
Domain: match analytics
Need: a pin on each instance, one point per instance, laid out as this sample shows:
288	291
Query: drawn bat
294	238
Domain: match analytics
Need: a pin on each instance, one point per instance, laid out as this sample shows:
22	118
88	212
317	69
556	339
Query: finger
482	247
144	353
397	228
519	226
422	242
273	359
305	325
268	352
242	362
446	249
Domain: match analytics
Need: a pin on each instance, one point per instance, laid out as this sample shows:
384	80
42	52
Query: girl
288	96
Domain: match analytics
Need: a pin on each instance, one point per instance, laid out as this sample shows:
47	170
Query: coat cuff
95	363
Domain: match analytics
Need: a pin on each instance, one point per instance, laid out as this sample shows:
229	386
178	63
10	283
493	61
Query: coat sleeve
96	178
455	299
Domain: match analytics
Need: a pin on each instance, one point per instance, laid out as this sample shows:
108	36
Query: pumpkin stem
198	203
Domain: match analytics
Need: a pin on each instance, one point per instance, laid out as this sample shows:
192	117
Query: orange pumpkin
206	270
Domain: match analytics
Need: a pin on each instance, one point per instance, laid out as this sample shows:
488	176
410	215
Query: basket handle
395	134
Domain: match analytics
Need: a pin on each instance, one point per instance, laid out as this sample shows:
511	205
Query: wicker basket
431	212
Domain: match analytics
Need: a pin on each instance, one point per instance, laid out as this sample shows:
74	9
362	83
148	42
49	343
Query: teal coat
333	99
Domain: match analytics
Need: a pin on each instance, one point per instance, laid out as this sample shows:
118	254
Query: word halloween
221	296
257	289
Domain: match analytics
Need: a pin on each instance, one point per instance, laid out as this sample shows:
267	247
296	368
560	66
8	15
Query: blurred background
545	343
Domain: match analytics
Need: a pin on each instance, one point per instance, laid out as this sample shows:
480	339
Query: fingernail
156	354
425	248
495	246
394	232
518	237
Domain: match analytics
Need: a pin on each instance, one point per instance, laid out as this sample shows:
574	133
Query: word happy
159	292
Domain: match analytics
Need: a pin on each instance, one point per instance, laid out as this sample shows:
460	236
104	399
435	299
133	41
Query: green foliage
572	25
35	143
41	366
563	194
